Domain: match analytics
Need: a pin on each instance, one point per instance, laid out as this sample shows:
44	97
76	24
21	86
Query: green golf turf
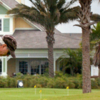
47	94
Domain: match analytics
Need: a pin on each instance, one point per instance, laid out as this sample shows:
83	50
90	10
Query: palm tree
85	17
48	13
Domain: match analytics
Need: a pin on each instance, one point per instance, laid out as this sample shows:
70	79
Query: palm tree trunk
51	59
50	42
86	61
84	16
99	71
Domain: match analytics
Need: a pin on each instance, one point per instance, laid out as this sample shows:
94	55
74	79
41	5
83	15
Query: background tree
72	59
48	13
95	45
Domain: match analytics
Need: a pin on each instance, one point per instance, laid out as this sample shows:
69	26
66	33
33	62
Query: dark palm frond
71	59
70	14
95	36
97	56
95	17
60	3
95	43
70	3
47	12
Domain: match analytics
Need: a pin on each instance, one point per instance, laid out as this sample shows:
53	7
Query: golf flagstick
35	89
67	90
40	94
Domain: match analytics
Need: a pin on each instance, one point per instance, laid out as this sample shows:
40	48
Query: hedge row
46	82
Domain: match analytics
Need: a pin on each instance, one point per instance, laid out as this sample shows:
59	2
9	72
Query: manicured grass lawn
47	94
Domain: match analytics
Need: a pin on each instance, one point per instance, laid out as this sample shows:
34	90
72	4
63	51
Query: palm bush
71	59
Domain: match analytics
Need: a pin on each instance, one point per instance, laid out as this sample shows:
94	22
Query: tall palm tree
48	13
85	17
84	20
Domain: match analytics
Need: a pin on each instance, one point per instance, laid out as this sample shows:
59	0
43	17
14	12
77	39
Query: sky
68	27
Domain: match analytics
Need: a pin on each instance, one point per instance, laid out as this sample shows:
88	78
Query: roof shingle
29	39
10	3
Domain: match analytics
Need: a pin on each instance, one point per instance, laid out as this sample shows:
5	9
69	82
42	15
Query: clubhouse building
32	51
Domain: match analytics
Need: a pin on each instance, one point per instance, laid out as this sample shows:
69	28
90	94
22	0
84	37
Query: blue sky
68	27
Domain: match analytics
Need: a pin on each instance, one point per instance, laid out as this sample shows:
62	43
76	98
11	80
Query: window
44	67
0	24
6	25
23	67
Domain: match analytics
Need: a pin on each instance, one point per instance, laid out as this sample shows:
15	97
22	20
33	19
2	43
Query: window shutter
6	25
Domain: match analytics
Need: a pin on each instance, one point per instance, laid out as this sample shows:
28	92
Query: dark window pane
23	67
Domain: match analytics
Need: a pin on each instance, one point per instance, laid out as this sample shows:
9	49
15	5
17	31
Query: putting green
46	94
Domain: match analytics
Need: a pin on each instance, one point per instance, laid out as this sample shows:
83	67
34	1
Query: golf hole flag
35	86
40	91
67	87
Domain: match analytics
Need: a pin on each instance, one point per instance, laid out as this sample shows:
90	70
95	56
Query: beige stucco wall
11	67
19	1
20	23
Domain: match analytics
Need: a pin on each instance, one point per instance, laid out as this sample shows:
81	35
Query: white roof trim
7	7
32	24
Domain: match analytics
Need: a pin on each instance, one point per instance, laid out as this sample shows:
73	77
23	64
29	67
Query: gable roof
10	3
36	40
13	3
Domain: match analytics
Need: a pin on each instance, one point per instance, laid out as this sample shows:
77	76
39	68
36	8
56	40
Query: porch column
54	63
4	66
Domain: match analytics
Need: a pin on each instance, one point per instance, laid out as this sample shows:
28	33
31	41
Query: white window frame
17	65
4	16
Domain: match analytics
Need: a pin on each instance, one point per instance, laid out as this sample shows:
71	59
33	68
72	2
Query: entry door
39	66
35	67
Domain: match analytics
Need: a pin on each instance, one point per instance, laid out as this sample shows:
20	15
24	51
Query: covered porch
28	62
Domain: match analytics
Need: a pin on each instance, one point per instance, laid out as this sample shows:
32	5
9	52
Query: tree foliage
71	59
95	43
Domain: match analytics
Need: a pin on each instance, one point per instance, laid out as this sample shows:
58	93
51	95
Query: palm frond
46	12
97	56
70	14
95	17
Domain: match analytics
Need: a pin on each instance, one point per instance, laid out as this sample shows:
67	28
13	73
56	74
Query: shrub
98	81
71	85
60	83
42	81
51	83
77	83
94	84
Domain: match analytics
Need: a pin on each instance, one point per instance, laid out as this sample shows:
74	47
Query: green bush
98	81
77	83
94	84
51	83
41	81
60	83
71	85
